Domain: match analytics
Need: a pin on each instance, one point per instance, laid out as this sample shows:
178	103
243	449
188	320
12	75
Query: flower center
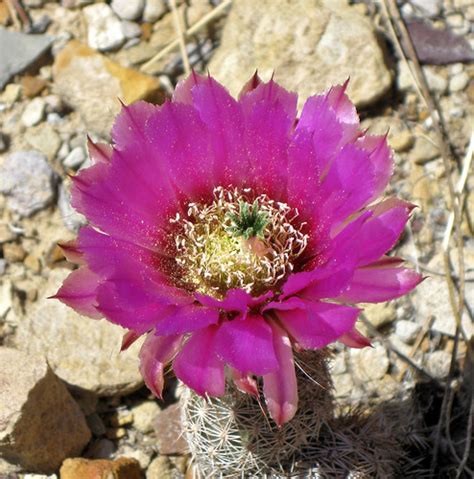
238	241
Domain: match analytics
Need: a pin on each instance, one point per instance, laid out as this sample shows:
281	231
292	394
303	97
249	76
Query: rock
160	468
154	9
437	363
122	468
71	218
45	139
128	9
75	158
343	385
401	141
3	143
32	86
39	476
459	82
131	29
311	46
370	364
169	431
436	82
431	299
104	30
40	424
143	416
5	298
13	252
423	151
430	8
81	351
34	112
380	314
11	94
143	458
19	51
91	83
28	182
407	331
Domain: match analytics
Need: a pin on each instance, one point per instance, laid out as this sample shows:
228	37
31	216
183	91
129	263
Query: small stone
45	139
122	468
32	86
380	314
96	425
343	385
33	263
3	267
154	9
101	449
143	416
436	82
370	364
121	418
431	8
78	68
54	104
140	455
34	112
28	182
116	433
11	94
85	355
423	151
6	233
128	9
169	431
75	158
104	29
160	468
40	424
407	331
6	296
13	252
401	141
131	29
459	82
39	476
19	51
72	219
437	363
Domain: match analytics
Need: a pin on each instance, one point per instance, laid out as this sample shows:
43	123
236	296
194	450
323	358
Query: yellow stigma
237	241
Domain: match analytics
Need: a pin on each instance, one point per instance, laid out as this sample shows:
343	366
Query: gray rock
154	9
28	182
131	30
104	29
430	8
370	364
83	352
128	9
311	46
18	51
34	112
407	331
40	424
75	158
71	218
459	82
436	82
45	139
169	431
437	363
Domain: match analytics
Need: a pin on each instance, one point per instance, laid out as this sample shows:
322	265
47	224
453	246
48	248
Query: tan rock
169	431
32	86
380	314
92	84
13	252
310	45
40	424
122	468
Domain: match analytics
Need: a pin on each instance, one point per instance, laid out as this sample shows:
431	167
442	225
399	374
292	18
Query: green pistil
249	222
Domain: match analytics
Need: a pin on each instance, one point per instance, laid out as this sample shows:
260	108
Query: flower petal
354	339
79	291
244	382
183	91
247	345
198	366
184	319
280	387
155	353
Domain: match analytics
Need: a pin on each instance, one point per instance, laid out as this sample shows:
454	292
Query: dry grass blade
181	40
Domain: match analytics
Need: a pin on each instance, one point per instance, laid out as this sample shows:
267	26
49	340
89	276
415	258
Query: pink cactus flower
230	233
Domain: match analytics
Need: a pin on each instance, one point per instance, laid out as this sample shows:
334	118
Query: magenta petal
319	323
72	252
198	366
183	91
155	353
79	291
236	300
184	319
128	339
280	387
354	339
244	382
250	85
374	285
247	345
99	152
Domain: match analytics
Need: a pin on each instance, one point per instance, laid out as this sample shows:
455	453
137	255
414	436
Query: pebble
143	416
101	449
370	364
28	181
33	263
6	297
459	82
6	233
131	30
32	86
104	29
13	252
437	363
407	331
75	158
128	9
82	352
96	425
122	468
423	151
140	455
436	82
10	94
430	8
19	51
160	468
40	424
45	139
34	112
39	476
401	141
154	9
380	314
169	431
3	267
72	219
